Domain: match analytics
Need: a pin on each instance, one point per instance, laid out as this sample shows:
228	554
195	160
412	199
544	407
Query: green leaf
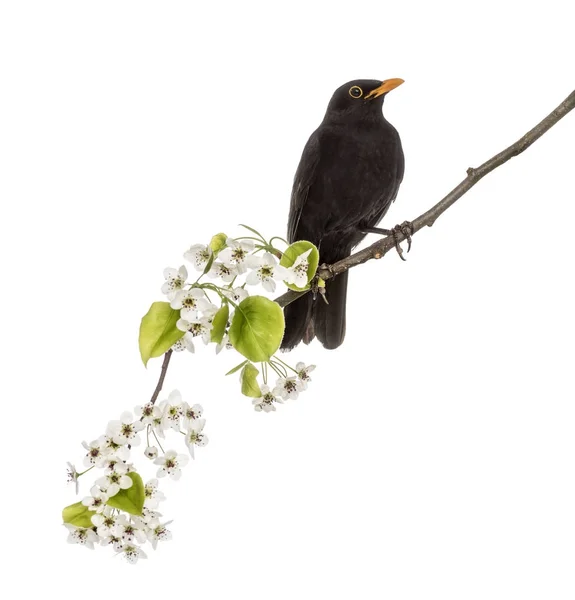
77	514
236	368
257	328
250	386
132	499
290	255
158	331
219	324
218	242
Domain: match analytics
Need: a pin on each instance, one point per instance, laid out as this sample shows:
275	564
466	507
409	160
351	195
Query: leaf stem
277	237
275	368
157	440
82	473
254	231
285	364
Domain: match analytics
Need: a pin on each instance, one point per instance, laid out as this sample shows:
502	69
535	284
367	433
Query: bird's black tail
306	318
298	320
329	319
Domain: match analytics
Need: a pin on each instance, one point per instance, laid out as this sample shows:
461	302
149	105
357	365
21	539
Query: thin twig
163	372
427	219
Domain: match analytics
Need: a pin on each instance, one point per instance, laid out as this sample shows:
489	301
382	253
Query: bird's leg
406	228
315	286
377	230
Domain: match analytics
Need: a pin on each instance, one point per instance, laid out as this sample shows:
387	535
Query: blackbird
347	178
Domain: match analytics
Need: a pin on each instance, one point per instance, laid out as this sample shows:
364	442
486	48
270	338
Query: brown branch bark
427	219
163	372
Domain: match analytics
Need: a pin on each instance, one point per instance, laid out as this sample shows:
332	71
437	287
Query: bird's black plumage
347	178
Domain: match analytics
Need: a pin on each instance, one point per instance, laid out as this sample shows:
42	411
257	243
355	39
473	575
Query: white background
433	455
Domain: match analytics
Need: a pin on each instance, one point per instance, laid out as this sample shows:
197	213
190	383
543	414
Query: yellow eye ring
355	91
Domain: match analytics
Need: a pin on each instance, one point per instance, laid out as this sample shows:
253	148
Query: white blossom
266	402
172	410
236	253
148	515
97	501
105	522
288	387
303	373
226	272
112	540
191	413
159	425
114	463
297	273
82	536
197	328
236	294
210	312
175	281
266	269
170	464
114	481
225	343
73	476
96	453
153	496
157	532
111	448
185	343
190	302
194	436
125	431
132	553
198	255
129	531
147	413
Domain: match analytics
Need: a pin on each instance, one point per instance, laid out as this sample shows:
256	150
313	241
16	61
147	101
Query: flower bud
151	452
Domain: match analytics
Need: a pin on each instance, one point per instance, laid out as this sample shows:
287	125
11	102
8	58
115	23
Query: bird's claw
325	267
316	288
406	229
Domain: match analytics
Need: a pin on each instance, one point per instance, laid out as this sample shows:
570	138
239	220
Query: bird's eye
355	92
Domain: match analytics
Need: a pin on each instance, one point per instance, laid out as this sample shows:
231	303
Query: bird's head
362	96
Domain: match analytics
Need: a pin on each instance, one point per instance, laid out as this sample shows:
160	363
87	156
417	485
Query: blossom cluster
237	258
121	510
286	387
197	302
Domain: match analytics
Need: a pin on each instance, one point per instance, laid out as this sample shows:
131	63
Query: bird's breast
357	172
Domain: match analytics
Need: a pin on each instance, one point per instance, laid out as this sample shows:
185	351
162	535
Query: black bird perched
347	178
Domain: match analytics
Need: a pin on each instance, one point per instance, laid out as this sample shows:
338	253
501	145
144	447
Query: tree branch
163	372
427	219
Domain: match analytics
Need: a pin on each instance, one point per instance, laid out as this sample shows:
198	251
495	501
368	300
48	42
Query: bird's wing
303	180
392	192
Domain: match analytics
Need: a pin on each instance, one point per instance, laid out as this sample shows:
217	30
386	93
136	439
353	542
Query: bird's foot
317	285
406	229
326	267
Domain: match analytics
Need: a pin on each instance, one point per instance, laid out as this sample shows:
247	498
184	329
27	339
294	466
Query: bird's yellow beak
386	86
